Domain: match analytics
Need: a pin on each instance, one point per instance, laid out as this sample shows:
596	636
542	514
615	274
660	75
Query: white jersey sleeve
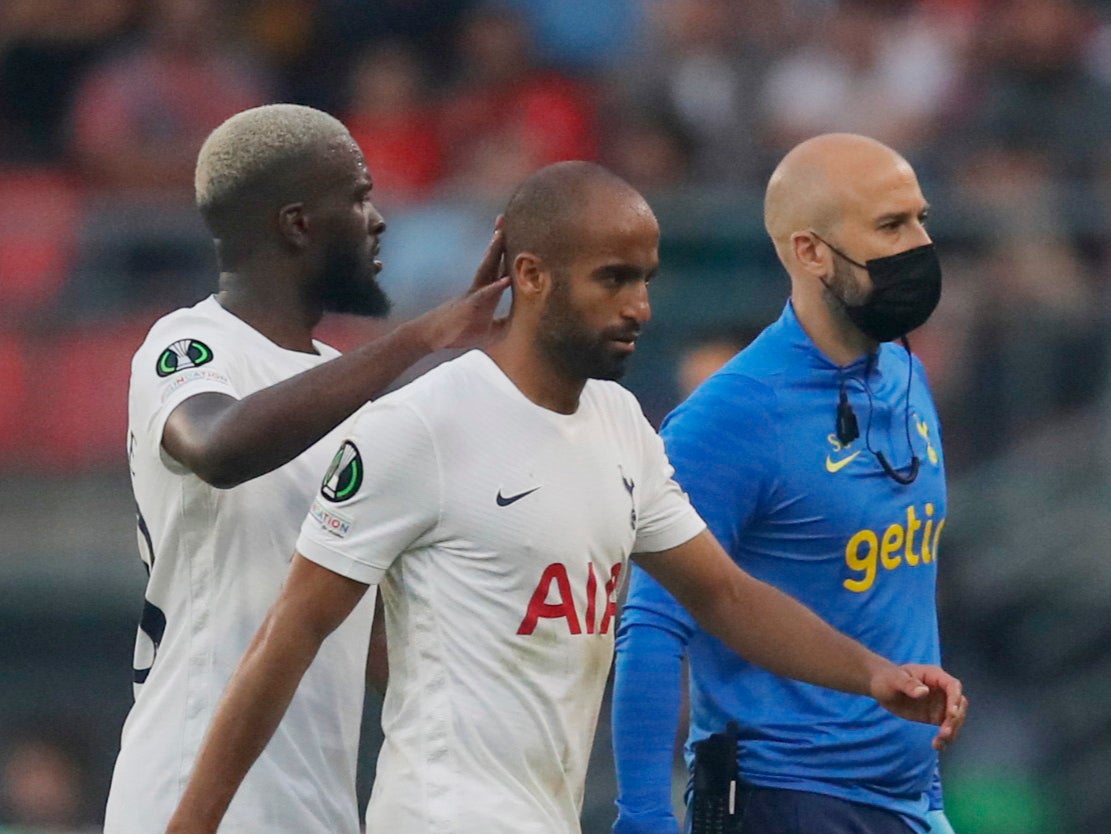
216	561
183	356
357	526
665	517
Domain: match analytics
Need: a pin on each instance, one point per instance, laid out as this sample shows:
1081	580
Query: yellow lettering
892	541
937	535
926	557
912	526
865	564
867	549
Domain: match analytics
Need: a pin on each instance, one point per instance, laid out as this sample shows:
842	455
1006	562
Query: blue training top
755	449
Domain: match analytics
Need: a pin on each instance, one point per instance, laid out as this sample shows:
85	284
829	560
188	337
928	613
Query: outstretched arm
226	441
646	703
780	634
313	602
652	638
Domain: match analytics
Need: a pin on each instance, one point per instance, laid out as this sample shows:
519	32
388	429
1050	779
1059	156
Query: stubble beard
576	352
843	290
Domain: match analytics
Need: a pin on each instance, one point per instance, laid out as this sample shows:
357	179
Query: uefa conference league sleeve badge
341	482
181	355
344	475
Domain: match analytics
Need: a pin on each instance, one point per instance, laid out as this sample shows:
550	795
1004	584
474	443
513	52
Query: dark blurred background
1003	106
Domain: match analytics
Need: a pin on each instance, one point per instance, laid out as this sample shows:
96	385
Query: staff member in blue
815	457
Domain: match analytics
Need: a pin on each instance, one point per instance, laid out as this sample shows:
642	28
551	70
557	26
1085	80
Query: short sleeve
379	496
723	443
179	360
665	518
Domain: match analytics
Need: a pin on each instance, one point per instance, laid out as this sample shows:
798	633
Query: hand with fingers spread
469	321
923	693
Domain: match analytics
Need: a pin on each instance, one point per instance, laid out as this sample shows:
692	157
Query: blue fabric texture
756	450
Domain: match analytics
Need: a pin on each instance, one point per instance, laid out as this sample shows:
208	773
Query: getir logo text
908	544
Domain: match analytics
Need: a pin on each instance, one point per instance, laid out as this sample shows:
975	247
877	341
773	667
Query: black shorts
774	811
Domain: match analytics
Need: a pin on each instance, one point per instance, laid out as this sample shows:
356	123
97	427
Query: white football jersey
500	532
217	559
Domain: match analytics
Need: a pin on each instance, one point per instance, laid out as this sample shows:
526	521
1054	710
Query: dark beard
575	351
842	288
348	285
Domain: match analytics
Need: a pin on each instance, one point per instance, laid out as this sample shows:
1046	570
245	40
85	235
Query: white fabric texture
219	560
500	532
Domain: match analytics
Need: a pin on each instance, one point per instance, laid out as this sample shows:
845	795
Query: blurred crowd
1002	106
459	96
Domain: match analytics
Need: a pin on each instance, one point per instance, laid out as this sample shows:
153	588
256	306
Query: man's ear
812	256
293	225
530	276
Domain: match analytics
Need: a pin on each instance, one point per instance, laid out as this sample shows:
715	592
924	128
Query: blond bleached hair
256	142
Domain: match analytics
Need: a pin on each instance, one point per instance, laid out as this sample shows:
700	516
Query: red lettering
539	607
591	592
611	603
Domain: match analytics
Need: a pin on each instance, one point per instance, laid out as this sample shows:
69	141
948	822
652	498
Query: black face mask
905	290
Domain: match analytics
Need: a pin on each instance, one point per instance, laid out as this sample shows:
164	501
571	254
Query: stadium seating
39	212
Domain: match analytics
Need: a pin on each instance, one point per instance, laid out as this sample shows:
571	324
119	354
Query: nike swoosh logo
504	501
837	465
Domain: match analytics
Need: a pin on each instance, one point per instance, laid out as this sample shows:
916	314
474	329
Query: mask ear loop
839	252
889	470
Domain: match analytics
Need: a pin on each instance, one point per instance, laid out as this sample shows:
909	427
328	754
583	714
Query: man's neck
834	336
522	360
277	314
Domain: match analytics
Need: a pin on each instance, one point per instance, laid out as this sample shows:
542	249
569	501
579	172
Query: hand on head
469	321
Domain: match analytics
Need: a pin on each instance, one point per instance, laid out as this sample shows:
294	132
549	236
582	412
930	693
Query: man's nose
637	306
376	225
922	235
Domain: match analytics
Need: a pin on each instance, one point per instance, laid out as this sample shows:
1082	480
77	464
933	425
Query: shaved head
825	178
835	204
582	246
547	212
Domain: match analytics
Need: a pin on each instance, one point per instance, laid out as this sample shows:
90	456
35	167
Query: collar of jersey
790	331
503	383
213	303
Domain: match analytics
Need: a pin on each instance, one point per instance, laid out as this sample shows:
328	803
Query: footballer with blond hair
234	410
